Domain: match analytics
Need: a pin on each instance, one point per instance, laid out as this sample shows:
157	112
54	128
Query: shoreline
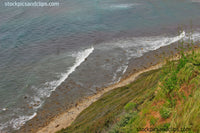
65	119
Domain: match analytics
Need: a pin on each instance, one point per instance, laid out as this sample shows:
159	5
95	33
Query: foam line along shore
76	110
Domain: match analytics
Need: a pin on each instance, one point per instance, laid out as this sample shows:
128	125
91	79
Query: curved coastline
65	118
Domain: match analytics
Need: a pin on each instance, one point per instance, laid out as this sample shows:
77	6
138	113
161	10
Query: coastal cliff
165	99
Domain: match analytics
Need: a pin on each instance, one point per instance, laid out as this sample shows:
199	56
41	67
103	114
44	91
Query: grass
164	98
165	112
130	106
106	112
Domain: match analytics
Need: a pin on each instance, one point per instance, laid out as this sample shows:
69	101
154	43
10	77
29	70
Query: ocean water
85	45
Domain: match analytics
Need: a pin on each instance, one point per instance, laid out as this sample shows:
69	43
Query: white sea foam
125	68
80	58
17	123
122	6
45	92
137	46
4	109
36	102
115	74
51	86
3	126
134	47
121	70
147	43
152	43
193	36
164	41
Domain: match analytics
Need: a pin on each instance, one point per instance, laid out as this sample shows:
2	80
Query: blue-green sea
81	45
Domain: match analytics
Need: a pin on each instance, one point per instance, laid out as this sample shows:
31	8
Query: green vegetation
164	98
153	120
165	112
109	113
130	106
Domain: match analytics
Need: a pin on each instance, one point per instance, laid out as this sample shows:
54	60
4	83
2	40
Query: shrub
127	118
130	106
170	82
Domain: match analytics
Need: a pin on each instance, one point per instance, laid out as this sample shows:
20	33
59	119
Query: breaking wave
45	92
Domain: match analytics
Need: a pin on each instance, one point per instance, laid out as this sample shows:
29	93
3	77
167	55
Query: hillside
166	99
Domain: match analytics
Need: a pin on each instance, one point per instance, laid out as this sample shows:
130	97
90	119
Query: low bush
130	106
